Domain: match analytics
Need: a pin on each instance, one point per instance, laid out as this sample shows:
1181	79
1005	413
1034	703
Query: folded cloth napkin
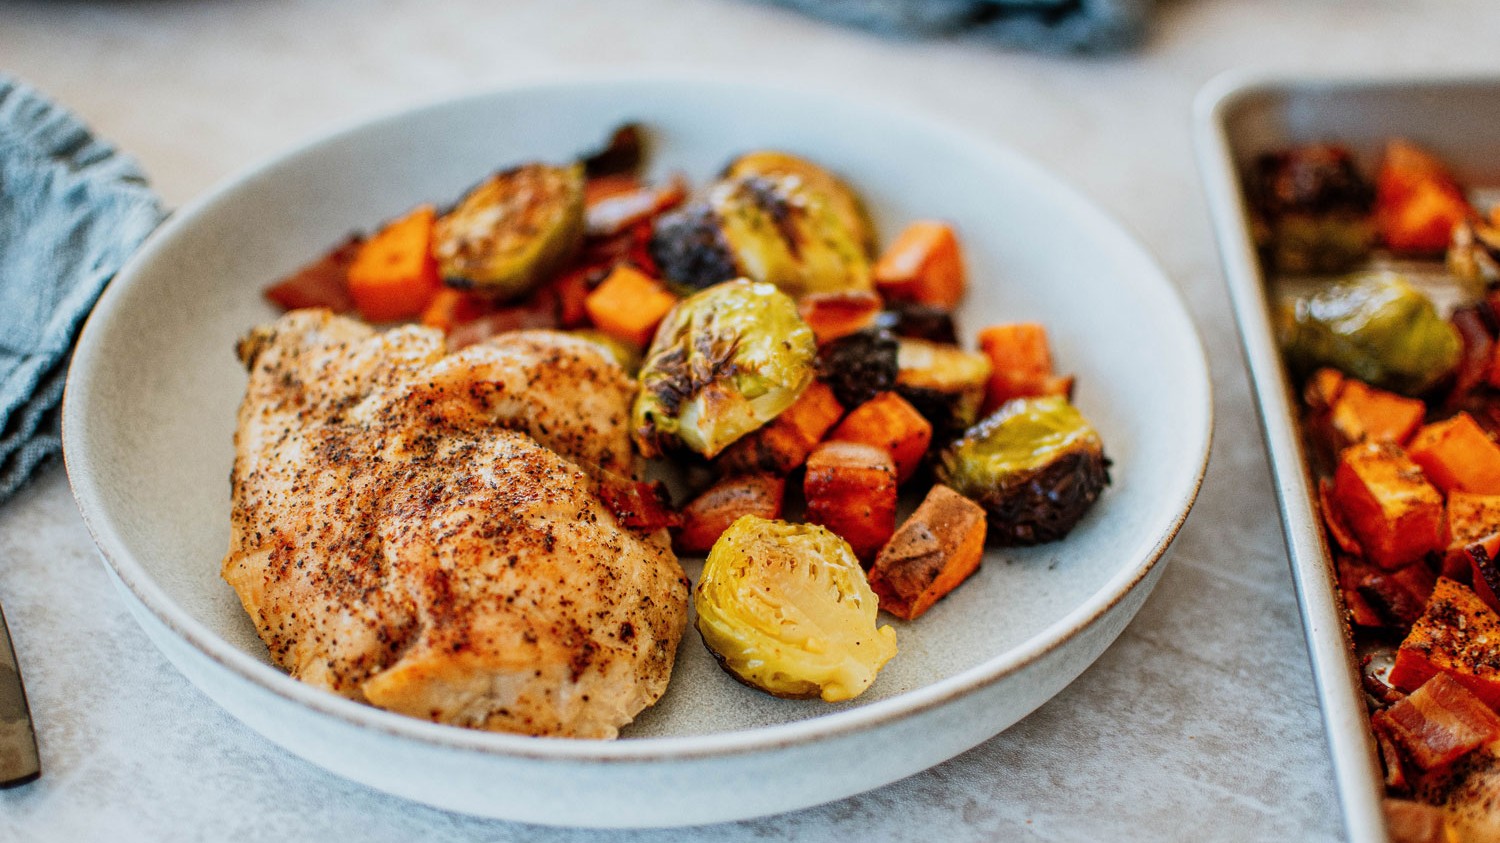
72	209
1080	26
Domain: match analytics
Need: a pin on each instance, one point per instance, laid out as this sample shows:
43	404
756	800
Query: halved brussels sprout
765	228
1374	327
1313	210
860	366
785	608
1474	256
834	190
1036	465
724	362
945	383
513	231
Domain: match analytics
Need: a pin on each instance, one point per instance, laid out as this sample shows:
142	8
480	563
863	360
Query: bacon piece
638	505
1399	596
613	213
322	283
1396	780
1439	723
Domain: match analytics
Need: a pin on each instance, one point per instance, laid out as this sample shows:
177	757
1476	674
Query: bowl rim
194	632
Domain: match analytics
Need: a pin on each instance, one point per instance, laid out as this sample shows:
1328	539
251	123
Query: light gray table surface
1200	723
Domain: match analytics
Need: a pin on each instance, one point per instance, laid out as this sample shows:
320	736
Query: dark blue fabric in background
1073	26
72	210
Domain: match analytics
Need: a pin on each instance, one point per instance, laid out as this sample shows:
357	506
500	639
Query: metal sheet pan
1238	116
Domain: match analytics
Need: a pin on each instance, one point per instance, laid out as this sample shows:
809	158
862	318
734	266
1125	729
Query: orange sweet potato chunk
1021	364
1458	635
1394	513
784	443
1457	455
710	514
394	275
1363	413
935	550
851	489
923	264
889	421
835	315
628	305
1417	200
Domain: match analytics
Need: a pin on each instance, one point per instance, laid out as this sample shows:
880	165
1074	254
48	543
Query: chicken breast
421	531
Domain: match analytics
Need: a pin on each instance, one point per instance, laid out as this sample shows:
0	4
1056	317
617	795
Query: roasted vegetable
628	305
513	231
707	516
944	382
859	366
1456	454
836	315
931	554
622	154
850	488
1362	413
890	422
782	445
723	363
1417	200
1312	209
1393	511
1022	364
393	275
1036	465
919	321
785	608
1375	327
1456	636
923	264
839	196
771	229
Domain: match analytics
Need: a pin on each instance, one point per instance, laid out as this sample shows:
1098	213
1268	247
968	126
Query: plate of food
637	452
1358	224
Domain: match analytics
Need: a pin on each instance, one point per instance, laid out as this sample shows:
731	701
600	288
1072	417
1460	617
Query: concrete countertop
1199	723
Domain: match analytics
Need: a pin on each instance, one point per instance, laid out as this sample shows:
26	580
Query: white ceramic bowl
150	410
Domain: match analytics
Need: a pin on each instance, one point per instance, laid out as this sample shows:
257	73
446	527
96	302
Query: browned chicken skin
421	530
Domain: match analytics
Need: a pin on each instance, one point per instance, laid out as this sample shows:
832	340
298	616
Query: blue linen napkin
72	209
1077	26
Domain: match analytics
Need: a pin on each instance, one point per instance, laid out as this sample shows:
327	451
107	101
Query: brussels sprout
1035	464
623	153
724	362
1313	209
785	608
945	383
1375	327
513	231
765	228
840	197
919	321
860	366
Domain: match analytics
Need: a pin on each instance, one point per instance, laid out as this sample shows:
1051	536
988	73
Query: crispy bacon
1474	365
1396	780
616	211
1439	723
322	283
638	505
1399	596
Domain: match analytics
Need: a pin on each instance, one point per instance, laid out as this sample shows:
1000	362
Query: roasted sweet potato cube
1469	518
934	550
710	514
835	315
1417	200
1458	635
889	421
1021	364
1384	499
1363	413
923	264
784	443
851	489
628	305
1323	388
1439	722
1456	454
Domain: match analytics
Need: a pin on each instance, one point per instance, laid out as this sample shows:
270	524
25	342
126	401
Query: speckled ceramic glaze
150	412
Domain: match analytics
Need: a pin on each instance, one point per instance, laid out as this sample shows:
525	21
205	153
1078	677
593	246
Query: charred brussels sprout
771	229
1374	327
724	362
513	231
1313	209
1036	465
860	366
785	608
945	383
1474	256
840	197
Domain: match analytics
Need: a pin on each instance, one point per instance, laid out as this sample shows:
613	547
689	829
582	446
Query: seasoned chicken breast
421	531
